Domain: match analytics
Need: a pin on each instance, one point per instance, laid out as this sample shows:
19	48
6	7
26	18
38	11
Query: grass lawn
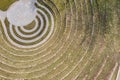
4	4
85	44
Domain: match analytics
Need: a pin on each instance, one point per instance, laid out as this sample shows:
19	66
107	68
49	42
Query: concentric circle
42	25
63	40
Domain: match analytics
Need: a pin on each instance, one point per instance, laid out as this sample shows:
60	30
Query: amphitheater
59	40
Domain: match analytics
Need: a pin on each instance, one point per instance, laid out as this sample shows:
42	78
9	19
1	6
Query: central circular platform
21	13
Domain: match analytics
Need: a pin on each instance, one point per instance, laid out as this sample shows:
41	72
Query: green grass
104	46
4	4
